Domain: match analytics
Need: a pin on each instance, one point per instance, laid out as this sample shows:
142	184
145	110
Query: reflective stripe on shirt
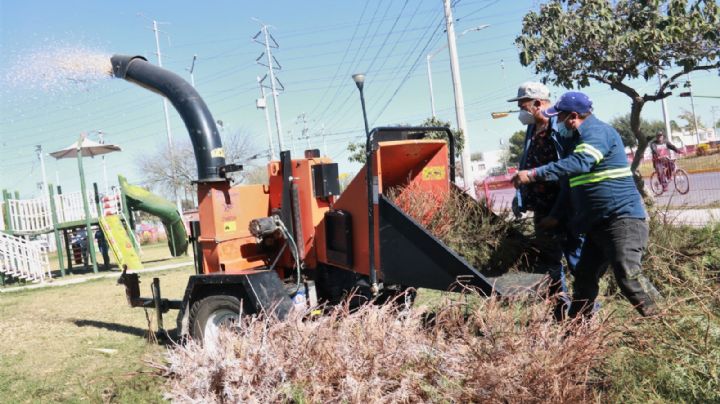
589	149
600	176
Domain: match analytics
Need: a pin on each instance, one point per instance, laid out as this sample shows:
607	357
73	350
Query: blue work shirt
601	183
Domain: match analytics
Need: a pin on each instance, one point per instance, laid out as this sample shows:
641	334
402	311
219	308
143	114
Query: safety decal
432	173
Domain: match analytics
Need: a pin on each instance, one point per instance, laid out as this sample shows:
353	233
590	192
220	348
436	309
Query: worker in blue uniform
608	208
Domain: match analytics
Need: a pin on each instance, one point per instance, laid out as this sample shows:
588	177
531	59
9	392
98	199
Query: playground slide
139	198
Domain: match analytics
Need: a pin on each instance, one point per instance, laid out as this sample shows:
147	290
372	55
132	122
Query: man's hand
522	177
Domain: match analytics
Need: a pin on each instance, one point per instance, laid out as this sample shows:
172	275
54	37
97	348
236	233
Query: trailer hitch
132	293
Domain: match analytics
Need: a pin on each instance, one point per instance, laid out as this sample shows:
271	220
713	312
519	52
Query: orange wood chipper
265	248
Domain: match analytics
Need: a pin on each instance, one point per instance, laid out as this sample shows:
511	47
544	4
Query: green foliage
357	150
477	156
516	145
571	42
574	41
622	125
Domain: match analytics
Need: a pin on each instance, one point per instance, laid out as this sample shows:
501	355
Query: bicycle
665	171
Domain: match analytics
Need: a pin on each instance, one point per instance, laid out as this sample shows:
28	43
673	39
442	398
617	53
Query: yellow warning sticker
433	173
229	226
218	152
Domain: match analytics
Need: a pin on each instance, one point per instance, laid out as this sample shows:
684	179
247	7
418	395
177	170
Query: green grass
50	340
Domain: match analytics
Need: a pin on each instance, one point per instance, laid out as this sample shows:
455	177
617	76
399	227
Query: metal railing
33	216
23	259
30	215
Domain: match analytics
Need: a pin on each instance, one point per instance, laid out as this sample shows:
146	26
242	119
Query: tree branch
623	88
671	79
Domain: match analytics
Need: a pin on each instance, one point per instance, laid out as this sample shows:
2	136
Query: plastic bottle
300	300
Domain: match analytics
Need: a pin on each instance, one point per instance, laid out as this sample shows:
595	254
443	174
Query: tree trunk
637	107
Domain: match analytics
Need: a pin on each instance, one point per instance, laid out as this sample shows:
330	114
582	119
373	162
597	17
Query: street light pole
666	115
688	85
191	70
435	52
38	149
432	97
372	185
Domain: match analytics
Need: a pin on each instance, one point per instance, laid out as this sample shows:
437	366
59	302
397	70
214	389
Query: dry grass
490	242
487	351
674	357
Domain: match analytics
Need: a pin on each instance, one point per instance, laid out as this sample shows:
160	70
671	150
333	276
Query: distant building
492	161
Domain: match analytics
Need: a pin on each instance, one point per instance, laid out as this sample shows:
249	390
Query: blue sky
321	44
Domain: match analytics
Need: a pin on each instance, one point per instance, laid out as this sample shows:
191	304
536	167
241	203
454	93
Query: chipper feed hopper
259	248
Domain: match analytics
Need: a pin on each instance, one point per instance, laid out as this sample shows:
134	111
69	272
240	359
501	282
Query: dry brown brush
490	351
488	241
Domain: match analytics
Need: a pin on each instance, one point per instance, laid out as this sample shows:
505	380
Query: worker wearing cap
608	207
548	200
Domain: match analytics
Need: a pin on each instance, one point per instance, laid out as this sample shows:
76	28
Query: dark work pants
557	242
619	243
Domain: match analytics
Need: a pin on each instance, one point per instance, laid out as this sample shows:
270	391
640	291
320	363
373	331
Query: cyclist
661	157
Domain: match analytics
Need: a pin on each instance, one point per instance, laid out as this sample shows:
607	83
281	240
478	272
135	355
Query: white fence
32	216
23	259
70	207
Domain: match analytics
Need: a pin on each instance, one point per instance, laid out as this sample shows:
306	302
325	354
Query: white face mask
526	118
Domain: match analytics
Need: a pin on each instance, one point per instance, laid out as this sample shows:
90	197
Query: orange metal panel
397	163
225	213
311	209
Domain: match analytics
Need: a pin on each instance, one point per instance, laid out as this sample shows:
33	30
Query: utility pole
167	126
101	139
191	69
271	62
459	103
322	133
38	150
435	52
432	97
666	116
303	118
688	85
261	103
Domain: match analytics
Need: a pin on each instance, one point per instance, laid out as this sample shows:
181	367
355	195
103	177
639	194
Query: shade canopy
88	148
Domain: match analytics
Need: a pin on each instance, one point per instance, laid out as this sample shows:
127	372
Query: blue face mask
563	131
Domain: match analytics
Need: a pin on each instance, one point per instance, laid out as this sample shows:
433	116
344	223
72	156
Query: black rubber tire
682	181
203	309
655	184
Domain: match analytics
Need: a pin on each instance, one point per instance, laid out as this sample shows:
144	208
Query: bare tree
156	165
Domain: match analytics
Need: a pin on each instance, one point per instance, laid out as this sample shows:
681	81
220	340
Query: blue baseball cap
572	101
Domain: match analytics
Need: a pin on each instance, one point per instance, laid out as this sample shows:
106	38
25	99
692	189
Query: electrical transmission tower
268	60
305	136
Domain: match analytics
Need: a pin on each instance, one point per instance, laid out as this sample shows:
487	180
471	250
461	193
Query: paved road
704	190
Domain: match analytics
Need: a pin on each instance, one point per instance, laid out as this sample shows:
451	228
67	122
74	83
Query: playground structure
25	257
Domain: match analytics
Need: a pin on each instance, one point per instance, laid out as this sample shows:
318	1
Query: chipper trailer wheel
209	315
